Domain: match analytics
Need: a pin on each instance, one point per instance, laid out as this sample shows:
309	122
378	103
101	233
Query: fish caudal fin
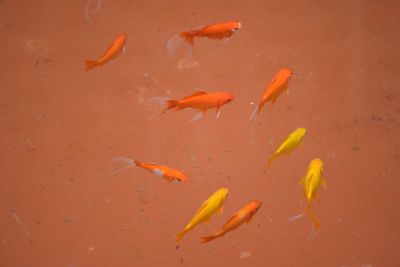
176	42
124	161
162	101
269	162
90	64
172	104
188	36
180	235
138	163
296	217
253	116
206	239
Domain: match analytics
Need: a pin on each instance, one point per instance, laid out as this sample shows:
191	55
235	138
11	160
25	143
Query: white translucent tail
129	163
253	115
296	217
173	45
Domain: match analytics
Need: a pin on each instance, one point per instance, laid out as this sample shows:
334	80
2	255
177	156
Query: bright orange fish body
201	101
245	214
162	171
114	49
274	89
213	31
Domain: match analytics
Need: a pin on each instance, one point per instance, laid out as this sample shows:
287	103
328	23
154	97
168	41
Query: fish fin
296	217
196	93
313	234
249	220
90	64
173	45
197	116
324	184
221	210
254	114
205	239
163	101
218	111
188	36
127	161
180	235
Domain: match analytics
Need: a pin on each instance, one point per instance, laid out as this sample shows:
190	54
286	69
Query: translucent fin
296	217
160	100
197	116
313	234
253	115
125	161
218	113
173	45
91	9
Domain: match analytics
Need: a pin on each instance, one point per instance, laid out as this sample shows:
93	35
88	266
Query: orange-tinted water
61	126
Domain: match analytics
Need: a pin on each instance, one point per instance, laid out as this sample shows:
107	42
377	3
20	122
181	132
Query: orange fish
274	89
199	100
213	31
245	214
111	52
159	170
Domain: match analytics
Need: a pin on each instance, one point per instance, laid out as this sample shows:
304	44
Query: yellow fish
208	208
311	183
290	143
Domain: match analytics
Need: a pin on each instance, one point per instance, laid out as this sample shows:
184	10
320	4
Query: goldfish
199	100
210	206
290	143
213	31
245	214
311	182
114	49
161	171
274	89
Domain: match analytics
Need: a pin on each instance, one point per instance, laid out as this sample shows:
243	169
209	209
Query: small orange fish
199	100
213	31
159	170
245	214
274	89
111	52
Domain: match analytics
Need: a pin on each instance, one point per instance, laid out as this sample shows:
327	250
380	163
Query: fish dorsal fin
196	93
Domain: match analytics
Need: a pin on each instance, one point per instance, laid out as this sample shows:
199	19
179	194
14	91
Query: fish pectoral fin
197	116
323	181
249	219
196	93
220	210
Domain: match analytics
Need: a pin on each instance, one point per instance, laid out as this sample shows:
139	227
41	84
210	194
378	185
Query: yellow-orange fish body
274	89
210	206
289	144
114	49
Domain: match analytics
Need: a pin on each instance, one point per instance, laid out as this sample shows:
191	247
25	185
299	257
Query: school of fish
201	101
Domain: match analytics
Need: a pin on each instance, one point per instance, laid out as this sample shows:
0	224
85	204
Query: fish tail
209	238
173	44
180	235
172	104
138	163
269	162
254	114
205	239
90	64
188	36
128	164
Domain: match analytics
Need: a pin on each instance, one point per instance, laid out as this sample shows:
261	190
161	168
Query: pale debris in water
245	254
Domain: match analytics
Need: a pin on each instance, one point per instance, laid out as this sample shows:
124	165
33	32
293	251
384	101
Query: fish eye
179	180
